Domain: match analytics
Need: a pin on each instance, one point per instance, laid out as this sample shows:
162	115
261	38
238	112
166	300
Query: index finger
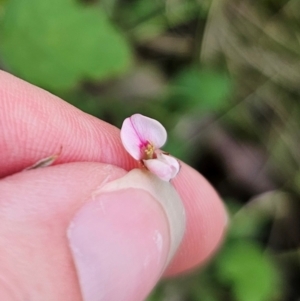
34	124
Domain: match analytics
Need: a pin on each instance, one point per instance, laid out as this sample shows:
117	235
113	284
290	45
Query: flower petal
131	140
149	130
165	167
171	161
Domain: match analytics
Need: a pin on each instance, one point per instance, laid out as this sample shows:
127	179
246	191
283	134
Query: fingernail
122	239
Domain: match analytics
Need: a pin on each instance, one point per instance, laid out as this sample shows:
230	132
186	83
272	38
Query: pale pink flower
142	137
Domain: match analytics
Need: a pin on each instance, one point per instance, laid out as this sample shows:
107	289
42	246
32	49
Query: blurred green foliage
243	266
222	76
147	19
58	43
204	90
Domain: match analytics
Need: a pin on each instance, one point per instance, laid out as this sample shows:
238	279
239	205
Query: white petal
171	161
165	167
149	130
131	140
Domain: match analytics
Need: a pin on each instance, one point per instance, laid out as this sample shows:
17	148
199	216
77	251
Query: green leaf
250	273
57	43
204	89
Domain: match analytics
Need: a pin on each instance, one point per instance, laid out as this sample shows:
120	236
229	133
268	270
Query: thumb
64	238
124	237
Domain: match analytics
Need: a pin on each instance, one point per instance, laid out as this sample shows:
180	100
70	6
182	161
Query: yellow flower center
149	151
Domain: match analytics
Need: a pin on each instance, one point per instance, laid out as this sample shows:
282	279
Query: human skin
62	235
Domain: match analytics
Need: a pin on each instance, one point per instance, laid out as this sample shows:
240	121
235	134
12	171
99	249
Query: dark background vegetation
224	79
